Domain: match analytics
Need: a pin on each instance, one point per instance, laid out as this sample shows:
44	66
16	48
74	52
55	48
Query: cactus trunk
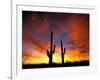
62	52
52	49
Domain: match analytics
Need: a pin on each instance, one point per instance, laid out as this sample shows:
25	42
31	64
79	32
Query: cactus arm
48	53
53	49
64	51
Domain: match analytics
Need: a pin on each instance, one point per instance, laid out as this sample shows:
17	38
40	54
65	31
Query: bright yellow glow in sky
70	56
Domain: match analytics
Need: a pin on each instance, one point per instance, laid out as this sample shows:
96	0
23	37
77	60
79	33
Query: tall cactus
62	52
52	49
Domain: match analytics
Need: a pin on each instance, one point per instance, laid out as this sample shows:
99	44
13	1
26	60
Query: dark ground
67	64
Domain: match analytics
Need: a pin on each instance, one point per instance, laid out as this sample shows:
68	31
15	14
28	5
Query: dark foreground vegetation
67	64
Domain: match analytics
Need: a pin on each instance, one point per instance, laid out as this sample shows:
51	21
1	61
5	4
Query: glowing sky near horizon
71	28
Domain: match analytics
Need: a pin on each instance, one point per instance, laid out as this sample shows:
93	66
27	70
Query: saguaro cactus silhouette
52	49
62	52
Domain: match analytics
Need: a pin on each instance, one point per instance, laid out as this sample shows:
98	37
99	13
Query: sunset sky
71	28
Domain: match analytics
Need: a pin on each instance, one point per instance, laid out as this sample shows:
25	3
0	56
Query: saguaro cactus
52	49
62	52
